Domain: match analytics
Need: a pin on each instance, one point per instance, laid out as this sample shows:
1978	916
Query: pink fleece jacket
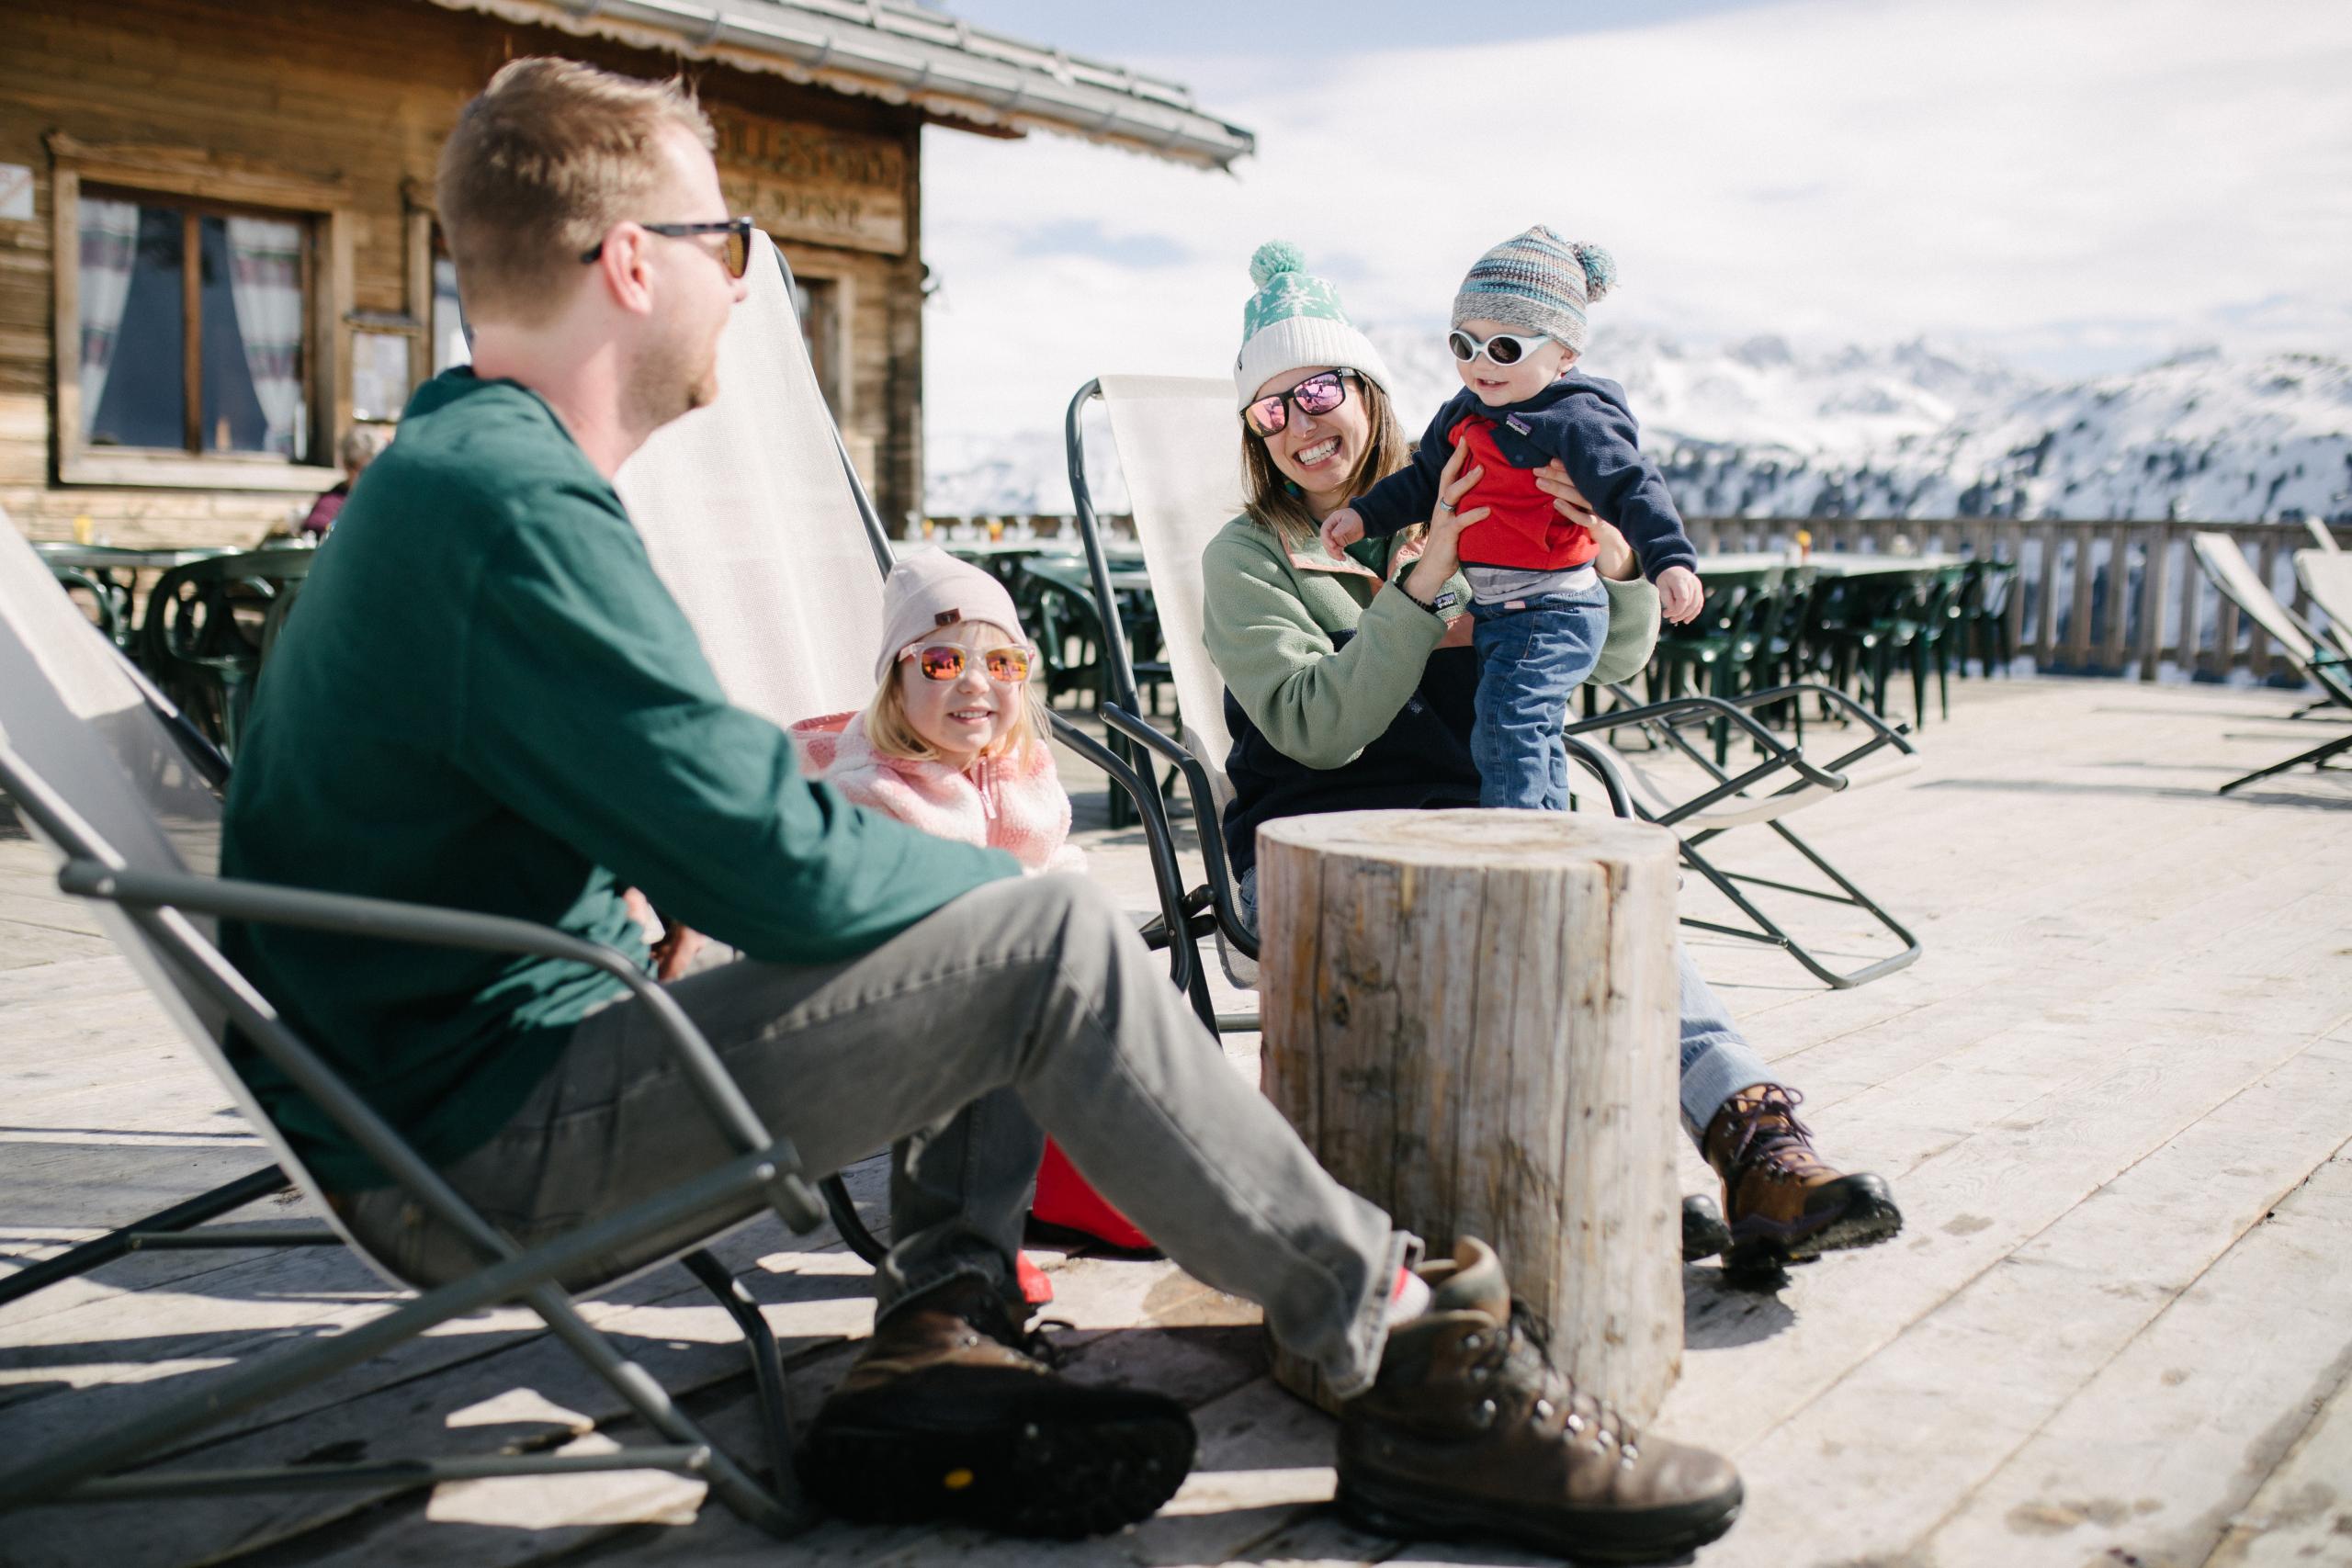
997	803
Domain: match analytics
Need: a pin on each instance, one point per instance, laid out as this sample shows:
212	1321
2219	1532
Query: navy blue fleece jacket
1581	420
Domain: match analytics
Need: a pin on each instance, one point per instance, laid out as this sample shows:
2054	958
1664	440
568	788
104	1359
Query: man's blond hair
549	157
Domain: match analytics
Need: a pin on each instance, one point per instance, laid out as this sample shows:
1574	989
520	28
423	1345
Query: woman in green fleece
1349	686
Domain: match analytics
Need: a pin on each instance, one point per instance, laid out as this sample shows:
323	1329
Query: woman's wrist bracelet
1436	604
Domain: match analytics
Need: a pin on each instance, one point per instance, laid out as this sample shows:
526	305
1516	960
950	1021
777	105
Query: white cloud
2094	179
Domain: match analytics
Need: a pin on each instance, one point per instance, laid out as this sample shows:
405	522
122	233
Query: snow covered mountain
1762	429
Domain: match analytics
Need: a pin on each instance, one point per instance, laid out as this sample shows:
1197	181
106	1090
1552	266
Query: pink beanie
929	589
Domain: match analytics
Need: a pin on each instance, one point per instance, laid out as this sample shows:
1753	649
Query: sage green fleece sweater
1272	629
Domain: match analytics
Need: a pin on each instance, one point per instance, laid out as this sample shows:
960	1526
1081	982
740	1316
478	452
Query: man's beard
670	379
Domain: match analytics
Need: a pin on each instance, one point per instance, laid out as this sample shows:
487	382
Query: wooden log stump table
1470	1017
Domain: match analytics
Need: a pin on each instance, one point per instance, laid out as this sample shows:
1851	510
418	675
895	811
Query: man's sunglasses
736	257
947	661
1503	348
1318	394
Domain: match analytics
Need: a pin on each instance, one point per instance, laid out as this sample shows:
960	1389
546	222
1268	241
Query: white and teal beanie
1539	283
1294	320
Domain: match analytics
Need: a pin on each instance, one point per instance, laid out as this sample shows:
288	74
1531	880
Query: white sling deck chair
2323	535
2327	577
2226	567
1176	437
181	773
99	779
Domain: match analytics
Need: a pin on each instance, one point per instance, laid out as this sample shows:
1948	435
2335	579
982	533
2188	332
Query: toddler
1537	605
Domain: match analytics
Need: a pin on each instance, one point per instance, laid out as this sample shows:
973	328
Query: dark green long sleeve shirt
487	700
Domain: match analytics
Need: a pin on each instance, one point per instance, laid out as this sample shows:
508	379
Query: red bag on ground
1036	1289
1064	1199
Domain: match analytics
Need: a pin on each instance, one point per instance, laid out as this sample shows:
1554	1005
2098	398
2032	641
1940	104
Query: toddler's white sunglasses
1503	348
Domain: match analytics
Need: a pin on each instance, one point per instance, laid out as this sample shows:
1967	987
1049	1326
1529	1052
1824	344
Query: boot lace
991	1318
1520	1358
1765	1130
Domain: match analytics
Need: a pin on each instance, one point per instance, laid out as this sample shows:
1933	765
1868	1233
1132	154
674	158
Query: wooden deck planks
2127	979
2154	1458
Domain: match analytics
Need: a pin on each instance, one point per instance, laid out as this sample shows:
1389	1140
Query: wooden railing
2111	598
2072	612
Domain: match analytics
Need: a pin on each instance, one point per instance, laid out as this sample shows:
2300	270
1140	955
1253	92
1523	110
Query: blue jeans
1533	653
1717	1060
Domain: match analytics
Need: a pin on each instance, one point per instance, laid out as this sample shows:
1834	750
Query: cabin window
193	327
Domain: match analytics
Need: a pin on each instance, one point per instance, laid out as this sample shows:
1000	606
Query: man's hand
1680	594
1340	530
672	945
677	950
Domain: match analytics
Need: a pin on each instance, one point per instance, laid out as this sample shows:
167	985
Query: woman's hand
1553	480
1442	550
1616	559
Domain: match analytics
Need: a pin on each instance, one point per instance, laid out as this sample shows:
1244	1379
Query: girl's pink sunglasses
947	661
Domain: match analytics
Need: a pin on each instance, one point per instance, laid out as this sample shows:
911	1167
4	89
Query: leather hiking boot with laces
1786	1204
952	1411
1470	1430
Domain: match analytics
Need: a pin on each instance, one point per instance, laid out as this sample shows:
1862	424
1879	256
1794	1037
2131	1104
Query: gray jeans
1717	1060
1026	1004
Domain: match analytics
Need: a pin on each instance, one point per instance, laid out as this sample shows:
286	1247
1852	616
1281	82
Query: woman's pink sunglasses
1318	394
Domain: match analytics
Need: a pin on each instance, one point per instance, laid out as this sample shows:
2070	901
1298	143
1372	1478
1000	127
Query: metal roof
905	53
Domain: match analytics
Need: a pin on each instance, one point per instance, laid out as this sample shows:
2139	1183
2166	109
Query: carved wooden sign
804	182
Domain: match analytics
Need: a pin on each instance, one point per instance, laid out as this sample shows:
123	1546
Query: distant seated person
358	448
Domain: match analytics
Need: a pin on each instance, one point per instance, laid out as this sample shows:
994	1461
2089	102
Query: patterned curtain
266	280
109	242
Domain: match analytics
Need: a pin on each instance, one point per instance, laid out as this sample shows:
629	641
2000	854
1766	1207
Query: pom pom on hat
1274	256
1599	269
1294	320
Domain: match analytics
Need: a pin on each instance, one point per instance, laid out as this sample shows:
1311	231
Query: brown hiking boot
1704	1235
1471	1430
954	1412
1785	1204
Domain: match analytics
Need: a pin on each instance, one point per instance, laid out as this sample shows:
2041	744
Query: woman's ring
1445	506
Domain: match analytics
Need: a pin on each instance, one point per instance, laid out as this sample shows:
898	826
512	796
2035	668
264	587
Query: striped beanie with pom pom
1294	321
1539	283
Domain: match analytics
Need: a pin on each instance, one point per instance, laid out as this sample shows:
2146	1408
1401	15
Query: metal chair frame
1664	723
191	639
1186	916
157	906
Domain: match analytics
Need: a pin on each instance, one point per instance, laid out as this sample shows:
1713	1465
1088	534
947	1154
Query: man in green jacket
489	700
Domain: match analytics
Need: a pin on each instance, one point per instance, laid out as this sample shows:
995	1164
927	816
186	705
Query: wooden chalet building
218	250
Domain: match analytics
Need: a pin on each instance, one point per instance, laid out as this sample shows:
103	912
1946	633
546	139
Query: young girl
954	743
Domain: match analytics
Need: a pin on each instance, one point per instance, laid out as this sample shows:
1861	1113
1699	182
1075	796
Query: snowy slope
1760	429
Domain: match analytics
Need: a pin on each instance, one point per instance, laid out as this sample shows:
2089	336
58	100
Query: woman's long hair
1272	503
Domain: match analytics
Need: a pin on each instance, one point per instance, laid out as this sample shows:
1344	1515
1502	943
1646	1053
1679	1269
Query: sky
2076	187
